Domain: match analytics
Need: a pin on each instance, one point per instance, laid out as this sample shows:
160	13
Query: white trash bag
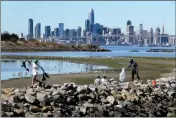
122	75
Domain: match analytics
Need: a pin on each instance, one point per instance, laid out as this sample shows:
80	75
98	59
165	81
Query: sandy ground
83	78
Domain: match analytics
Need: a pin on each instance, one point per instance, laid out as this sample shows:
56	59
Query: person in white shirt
103	80
35	68
97	81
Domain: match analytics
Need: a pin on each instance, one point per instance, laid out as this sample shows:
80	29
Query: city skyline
79	19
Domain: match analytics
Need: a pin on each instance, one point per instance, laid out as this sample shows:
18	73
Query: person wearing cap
135	67
35	67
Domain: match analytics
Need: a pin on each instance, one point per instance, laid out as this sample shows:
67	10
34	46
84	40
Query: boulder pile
71	100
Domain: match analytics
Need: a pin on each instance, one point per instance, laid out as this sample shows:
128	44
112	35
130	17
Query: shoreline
52	50
151	68
62	57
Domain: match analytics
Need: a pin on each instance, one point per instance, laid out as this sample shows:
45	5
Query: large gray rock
31	99
43	98
88	105
110	99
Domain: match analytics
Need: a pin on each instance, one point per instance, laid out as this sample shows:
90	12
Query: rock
171	94
110	99
117	114
56	85
9	114
19	112
173	85
92	95
88	105
119	106
171	114
120	109
48	114
83	110
55	93
46	109
14	99
5	107
43	98
81	89
34	109
31	99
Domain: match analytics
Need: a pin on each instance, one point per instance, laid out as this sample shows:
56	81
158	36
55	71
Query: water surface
14	69
116	51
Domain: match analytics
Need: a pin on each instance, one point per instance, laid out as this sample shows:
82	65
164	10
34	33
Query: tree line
11	37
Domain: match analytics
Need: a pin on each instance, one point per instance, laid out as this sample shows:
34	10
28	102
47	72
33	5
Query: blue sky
15	15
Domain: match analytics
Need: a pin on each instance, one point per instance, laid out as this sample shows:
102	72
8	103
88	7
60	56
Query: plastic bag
122	75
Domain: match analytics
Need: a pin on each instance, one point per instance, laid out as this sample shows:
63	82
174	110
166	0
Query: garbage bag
122	75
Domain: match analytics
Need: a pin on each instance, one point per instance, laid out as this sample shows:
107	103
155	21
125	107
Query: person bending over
135	67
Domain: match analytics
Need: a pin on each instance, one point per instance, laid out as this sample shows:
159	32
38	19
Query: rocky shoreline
111	100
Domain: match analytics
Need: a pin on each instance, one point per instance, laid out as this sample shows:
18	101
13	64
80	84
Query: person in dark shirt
135	67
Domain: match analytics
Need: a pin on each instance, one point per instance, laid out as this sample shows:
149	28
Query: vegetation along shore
12	43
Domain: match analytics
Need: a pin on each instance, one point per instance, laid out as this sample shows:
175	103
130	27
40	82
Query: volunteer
135	67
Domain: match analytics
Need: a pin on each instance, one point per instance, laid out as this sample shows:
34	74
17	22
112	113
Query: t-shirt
97	81
103	81
34	69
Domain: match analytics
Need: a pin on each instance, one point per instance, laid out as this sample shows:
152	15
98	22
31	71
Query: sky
15	14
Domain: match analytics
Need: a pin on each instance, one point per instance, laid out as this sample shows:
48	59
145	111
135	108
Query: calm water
14	69
115	52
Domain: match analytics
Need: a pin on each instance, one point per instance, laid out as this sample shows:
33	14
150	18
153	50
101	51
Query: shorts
35	73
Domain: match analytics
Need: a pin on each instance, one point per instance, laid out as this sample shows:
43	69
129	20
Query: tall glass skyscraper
56	32
30	28
87	25
61	29
91	16
38	30
47	31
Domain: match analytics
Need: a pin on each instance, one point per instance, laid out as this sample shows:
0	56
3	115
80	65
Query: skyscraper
164	37
87	25
61	29
141	29
91	16
38	30
56	31
47	31
79	31
30	28
157	36
130	33
151	37
67	33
